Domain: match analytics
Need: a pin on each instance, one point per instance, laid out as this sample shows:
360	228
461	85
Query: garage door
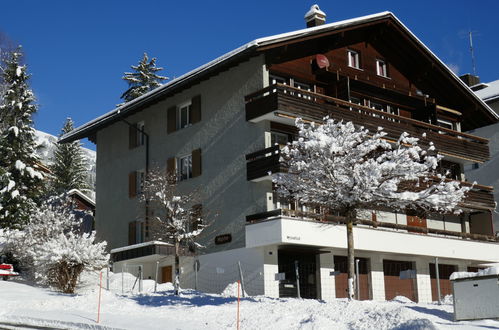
341	279
445	285
394	284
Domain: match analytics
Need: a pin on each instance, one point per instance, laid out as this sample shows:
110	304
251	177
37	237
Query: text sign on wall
223	239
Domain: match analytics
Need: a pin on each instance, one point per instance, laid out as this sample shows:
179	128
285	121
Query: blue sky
77	51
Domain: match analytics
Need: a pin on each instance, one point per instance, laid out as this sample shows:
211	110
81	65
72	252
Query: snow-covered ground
24	304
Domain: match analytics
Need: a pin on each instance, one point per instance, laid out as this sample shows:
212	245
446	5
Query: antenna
472	53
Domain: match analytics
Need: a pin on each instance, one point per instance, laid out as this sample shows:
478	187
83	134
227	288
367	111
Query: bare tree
344	169
174	216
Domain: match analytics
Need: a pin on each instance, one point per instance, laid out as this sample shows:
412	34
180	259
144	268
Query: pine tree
143	80
20	182
69	168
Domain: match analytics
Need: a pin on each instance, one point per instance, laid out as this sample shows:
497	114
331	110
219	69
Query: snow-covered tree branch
343	169
174	216
55	248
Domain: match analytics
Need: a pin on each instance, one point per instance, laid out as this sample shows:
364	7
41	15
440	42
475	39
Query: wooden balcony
261	164
279	102
307	216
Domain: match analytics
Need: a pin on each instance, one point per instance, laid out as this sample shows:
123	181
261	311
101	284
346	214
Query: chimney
315	16
470	79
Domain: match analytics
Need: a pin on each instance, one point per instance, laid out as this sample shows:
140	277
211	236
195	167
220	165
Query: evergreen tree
69	166
143	79
20	182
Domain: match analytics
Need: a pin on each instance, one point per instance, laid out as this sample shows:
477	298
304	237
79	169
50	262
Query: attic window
353	59
381	68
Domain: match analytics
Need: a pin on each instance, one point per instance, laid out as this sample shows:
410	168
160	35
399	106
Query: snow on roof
490	92
86	129
82	195
139	245
483	272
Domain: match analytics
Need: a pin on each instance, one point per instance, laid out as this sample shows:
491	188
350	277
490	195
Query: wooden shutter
132	231
171	120
196	109
132	136
132	184
170	166
196	163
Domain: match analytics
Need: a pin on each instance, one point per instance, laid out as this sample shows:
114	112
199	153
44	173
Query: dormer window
353	59
381	69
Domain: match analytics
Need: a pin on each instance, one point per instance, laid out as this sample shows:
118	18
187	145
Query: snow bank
230	291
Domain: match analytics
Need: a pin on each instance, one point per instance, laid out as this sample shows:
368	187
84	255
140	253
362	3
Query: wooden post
100	291
238	302
351	261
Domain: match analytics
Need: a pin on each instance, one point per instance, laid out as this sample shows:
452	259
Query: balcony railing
269	215
289	102
263	163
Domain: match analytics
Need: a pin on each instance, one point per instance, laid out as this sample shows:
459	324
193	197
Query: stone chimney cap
315	12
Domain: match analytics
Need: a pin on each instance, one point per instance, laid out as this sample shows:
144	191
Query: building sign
223	239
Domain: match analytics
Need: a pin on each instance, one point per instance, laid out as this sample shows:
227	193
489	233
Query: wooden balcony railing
286	101
265	216
266	161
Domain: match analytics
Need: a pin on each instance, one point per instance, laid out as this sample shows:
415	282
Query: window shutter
132	184
171	120
132	136
196	163
196	109
170	166
132	232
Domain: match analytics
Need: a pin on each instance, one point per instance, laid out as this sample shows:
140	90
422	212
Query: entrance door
444	272
307	271
166	274
415	221
341	279
394	285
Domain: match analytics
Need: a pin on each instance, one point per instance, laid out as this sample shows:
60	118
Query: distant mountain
45	147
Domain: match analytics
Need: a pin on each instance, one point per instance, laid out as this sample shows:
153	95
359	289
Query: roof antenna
472	53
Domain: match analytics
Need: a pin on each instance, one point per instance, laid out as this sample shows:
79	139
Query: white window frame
139	136
381	68
181	165
353	59
445	122
186	105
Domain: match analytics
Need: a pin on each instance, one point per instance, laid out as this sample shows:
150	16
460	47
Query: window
184	167
445	123
381	68
184	115
279	138
355	100
136	181
135	232
377	106
135	134
353	59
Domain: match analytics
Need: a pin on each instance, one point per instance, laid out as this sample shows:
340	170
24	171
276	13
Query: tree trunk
351	258
176	281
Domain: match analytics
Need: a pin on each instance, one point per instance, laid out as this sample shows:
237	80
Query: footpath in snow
29	305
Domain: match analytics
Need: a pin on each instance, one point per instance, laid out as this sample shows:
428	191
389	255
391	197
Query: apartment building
220	128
